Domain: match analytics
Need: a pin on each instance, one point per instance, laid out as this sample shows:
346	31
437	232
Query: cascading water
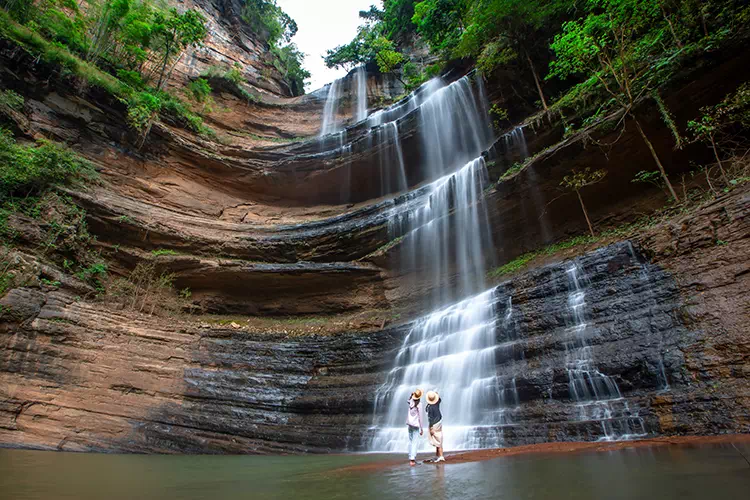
596	395
360	77
446	232
454	126
446	227
407	105
392	167
330	121
452	350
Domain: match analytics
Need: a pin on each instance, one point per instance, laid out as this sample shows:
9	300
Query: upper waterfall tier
433	132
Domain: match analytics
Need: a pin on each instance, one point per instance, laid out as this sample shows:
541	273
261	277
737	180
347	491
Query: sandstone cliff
256	225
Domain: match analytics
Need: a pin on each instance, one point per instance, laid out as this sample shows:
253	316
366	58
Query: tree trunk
586	214
708	179
671	27
536	81
718	160
656	159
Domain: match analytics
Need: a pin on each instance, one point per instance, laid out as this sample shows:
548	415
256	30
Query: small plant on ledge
576	181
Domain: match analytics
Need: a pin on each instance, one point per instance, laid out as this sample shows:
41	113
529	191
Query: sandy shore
559	447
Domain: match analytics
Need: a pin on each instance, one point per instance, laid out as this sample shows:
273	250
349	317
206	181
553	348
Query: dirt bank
559	448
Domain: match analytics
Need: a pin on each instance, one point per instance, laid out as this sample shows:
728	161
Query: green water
706	472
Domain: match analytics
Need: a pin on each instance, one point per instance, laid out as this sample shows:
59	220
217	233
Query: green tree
267	19
576	181
200	91
441	23
290	60
717	122
174	33
105	20
615	44
501	31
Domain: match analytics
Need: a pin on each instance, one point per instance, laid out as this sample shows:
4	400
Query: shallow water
711	471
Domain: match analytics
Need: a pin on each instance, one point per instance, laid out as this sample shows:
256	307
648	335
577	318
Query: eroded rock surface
665	324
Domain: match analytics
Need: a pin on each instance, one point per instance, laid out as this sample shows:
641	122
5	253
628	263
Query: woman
435	421
414	424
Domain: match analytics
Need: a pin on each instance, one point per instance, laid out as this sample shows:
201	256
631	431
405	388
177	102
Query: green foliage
512	170
267	19
234	74
131	78
441	23
397	19
162	251
10	101
93	275
498	115
173	33
386	55
57	26
649	177
522	261
668	119
579	179
732	111
57	53
143	108
30	169
363	49
199	90
276	27
289	61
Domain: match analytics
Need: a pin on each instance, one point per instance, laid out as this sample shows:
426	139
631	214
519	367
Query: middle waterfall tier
446	231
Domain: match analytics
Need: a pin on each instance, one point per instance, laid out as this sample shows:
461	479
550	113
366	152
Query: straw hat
432	397
417	394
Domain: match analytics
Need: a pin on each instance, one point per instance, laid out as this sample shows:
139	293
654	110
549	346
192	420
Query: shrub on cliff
148	289
26	170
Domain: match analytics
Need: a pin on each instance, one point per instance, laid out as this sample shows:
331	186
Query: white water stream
360	78
596	395
330	119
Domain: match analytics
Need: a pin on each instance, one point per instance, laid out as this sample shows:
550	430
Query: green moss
384	248
163	251
522	261
29	170
513	170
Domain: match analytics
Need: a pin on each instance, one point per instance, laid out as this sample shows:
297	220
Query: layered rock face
76	376
640	338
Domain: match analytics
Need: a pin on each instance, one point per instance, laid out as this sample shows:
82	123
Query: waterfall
452	120
406	105
361	78
330	123
446	231
452	351
454	126
596	395
392	166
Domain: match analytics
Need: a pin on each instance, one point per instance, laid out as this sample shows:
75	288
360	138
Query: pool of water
706	472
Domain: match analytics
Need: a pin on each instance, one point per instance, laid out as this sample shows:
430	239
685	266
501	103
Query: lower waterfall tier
76	377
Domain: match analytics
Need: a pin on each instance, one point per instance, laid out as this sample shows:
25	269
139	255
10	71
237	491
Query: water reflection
717	471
